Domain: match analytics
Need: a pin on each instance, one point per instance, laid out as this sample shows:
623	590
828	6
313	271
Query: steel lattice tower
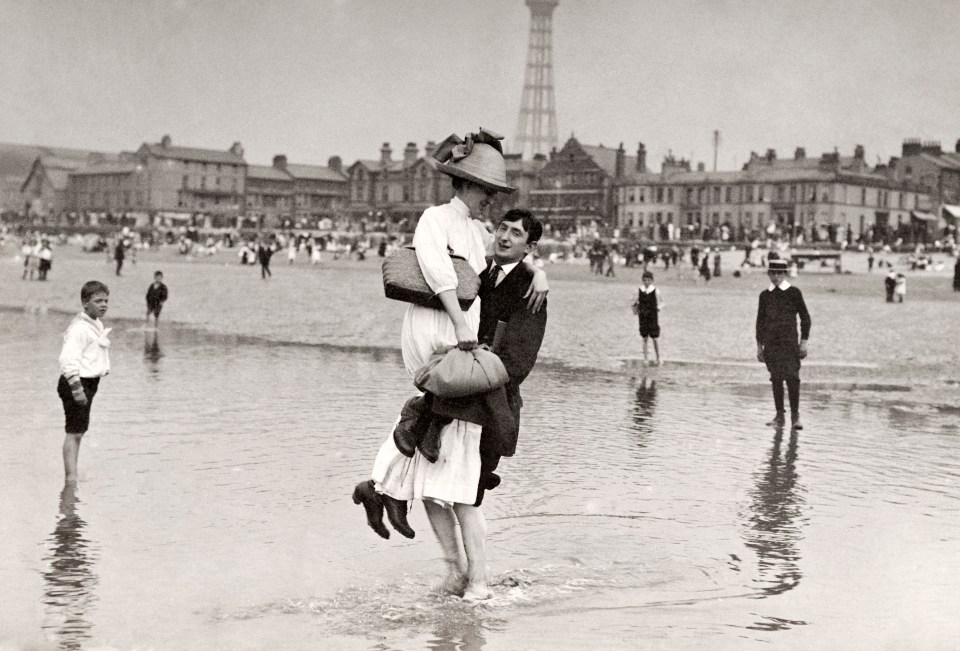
537	125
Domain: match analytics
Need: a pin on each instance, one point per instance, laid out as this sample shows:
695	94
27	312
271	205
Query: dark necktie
493	275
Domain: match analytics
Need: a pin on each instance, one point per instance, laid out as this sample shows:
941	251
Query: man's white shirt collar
648	290
783	285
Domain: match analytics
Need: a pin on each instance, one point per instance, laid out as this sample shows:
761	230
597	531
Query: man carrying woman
448	487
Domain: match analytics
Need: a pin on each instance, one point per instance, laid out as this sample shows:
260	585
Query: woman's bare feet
455	581
477	592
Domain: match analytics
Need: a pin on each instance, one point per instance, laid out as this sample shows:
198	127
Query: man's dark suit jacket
519	348
518	351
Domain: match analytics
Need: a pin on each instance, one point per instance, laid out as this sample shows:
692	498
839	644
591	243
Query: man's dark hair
530	223
90	288
157	273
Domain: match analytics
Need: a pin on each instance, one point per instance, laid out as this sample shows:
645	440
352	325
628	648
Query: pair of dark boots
779	420
419	428
376	503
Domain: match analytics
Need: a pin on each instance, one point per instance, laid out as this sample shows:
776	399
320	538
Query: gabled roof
17	160
105	168
315	173
950	161
194	154
606	159
267	173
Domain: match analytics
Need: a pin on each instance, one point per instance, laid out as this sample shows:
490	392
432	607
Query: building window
716	194
863	196
729	194
669	195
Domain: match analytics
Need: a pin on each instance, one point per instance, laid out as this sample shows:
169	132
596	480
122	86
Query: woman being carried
448	487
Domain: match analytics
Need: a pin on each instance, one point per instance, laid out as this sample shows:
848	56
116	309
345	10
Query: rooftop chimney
800	153
771	155
932	148
430	148
911	147
335	163
385	153
236	149
410	154
280	162
619	162
701	167
956	147
165	141
641	158
858	152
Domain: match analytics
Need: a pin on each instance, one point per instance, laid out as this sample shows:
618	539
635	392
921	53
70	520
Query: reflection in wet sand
775	520
69	579
152	353
646	402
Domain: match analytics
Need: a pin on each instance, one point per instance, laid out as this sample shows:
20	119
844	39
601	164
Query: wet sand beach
646	507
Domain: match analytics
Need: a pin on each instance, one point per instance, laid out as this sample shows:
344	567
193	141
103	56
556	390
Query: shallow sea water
646	508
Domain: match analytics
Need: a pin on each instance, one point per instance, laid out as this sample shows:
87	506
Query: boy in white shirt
84	359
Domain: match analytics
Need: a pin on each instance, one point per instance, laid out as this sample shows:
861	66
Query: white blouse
445	230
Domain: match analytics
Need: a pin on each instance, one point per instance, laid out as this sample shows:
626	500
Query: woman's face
476	197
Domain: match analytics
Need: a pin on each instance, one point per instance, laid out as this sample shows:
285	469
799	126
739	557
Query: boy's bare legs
71	452
656	350
645	351
444	524
473	526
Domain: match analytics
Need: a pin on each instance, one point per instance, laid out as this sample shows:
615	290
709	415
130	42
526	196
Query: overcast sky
315	78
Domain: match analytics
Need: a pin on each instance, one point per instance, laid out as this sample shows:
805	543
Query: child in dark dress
649	304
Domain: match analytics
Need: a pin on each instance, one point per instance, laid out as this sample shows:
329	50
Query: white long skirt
454	476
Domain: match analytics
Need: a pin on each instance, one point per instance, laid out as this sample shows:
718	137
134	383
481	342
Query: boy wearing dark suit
777	346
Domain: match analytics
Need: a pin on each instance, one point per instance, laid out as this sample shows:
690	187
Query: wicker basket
403	280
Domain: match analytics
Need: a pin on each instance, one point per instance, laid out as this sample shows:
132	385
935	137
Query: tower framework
537	124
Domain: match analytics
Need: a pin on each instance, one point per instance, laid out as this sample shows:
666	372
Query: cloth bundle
455	373
403	280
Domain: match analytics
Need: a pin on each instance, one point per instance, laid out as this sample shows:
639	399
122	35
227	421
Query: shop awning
925	216
953	211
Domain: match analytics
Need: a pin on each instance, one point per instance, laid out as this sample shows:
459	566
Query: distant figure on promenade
695	256
649	303
890	284
705	266
956	275
26	250
449	486
292	251
156	296
900	287
315	256
870	259
45	262
84	359
716	264
119	254
264	253
779	308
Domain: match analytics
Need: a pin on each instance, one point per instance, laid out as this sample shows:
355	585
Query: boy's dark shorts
154	308
783	361
650	328
77	416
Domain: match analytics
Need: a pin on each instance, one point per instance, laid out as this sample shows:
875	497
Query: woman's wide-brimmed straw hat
478	159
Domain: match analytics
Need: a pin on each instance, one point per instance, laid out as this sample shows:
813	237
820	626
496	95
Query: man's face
776	277
96	306
510	242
